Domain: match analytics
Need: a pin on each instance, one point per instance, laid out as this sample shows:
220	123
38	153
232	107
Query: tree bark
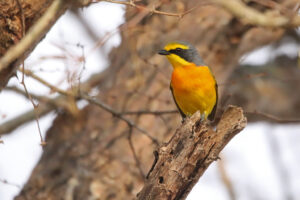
182	161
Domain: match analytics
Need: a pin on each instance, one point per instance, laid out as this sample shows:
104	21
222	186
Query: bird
193	84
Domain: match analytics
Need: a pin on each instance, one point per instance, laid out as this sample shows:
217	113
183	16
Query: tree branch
153	10
28	116
59	102
33	36
77	94
240	10
183	160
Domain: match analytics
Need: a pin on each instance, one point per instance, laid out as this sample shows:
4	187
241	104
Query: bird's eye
176	51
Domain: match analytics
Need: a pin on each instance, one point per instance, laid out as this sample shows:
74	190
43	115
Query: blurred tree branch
43	109
254	17
269	97
77	93
152	10
226	179
272	118
53	104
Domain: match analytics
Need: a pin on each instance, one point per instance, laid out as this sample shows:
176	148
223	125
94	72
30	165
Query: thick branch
15	53
239	9
32	37
183	160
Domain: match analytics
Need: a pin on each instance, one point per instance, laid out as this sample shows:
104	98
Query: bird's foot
202	117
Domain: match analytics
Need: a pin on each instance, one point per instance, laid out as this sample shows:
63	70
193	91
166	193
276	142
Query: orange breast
194	89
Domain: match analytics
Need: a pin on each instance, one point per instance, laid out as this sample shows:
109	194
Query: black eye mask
186	54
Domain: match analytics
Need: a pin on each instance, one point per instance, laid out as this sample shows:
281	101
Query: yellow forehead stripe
170	46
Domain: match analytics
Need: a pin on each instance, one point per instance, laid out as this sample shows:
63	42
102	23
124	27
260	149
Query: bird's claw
202	117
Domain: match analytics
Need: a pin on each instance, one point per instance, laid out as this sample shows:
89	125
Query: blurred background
110	50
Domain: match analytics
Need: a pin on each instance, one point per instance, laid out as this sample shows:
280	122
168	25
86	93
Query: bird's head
181	54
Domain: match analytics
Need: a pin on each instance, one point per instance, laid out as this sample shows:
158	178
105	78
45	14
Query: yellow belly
194	88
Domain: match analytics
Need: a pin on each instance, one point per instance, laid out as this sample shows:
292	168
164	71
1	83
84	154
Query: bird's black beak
163	52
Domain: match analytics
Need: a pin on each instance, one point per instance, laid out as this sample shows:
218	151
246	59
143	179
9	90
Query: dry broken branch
182	161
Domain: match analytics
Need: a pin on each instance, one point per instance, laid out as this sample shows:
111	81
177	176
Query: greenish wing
182	114
211	116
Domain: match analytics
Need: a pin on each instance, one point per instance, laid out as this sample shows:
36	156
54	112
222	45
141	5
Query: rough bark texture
11	28
89	156
183	160
11	20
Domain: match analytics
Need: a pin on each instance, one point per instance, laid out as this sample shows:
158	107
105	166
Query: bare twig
23	93
56	102
111	142
51	86
43	143
9	183
151	10
226	179
137	161
79	95
272	117
43	109
116	114
133	4
280	166
148	112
